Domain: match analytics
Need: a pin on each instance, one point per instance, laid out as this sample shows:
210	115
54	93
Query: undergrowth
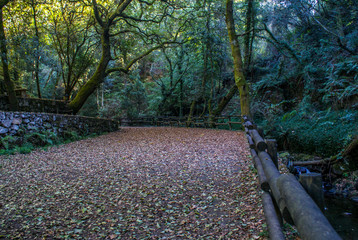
25	144
324	133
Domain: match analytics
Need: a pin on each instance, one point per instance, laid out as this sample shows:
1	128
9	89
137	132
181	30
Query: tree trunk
224	101
238	66
180	72
37	50
10	88
249	34
97	78
192	109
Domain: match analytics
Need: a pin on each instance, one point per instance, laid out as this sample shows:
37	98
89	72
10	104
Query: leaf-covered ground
138	183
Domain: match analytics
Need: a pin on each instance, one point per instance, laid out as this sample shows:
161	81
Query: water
342	213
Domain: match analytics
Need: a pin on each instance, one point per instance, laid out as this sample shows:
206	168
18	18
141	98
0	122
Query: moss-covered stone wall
36	105
21	123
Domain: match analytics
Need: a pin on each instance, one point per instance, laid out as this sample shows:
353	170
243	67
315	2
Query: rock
3	130
38	120
31	126
6	123
17	121
355	199
15	127
2	116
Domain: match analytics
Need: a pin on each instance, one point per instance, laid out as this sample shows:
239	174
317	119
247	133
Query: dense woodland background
155	58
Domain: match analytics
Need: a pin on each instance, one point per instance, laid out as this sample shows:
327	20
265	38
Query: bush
70	136
324	133
8	142
36	139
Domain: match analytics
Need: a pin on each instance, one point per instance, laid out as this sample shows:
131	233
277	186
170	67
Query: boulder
3	130
6	123
17	121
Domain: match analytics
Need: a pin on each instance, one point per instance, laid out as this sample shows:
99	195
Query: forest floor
137	183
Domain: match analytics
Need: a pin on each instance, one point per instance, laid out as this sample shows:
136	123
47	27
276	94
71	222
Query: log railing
284	196
231	122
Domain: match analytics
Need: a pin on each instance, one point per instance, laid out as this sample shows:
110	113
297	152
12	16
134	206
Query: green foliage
70	136
289	115
324	133
341	88
36	139
15	144
133	99
7	142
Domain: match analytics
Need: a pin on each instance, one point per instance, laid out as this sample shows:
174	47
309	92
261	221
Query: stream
342	213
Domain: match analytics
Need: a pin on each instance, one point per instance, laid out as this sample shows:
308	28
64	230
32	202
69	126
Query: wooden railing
231	122
284	197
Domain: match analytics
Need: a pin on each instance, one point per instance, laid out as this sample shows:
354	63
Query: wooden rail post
312	183
272	150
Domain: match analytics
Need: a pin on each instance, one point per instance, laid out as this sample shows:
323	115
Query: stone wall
21	123
36	105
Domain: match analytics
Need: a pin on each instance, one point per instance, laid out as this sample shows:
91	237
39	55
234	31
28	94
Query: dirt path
138	183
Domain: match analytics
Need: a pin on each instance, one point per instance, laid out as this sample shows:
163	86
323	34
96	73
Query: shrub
36	139
324	133
70	136
8	142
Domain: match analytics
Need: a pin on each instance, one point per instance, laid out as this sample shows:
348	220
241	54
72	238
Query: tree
33	5
249	34
238	65
5	63
131	22
71	28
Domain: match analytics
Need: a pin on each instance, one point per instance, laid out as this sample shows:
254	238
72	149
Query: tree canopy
128	58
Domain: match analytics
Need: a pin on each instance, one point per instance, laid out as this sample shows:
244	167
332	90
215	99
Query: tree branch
119	11
131	63
96	13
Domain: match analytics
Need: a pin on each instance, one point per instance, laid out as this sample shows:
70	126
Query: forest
289	66
297	73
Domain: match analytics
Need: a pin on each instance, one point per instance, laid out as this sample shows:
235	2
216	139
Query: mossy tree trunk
249	34
37	48
106	20
105	23
238	65
10	88
223	102
98	77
